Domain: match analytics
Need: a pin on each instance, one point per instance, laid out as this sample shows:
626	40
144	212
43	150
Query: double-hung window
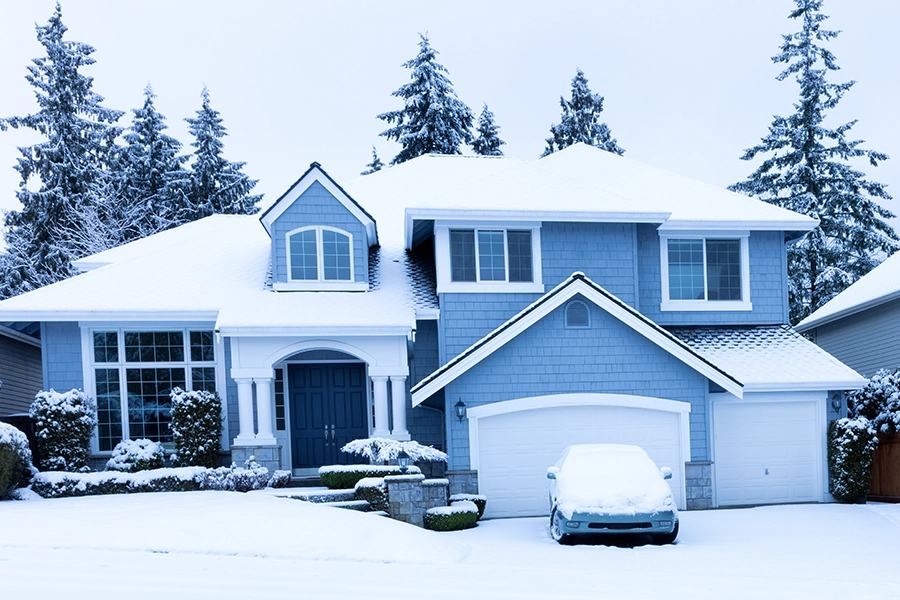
135	371
705	273
478	255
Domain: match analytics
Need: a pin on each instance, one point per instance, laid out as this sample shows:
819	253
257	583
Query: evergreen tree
433	119
375	165
487	142
154	185
217	185
69	163
579	121
809	172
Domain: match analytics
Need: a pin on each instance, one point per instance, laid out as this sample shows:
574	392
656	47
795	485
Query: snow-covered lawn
230	545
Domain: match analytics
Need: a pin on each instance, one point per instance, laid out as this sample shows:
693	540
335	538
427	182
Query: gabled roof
577	283
315	173
770	358
878	286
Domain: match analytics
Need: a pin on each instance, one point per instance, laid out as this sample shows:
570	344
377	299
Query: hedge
459	515
374	491
343	477
479	501
851	444
15	460
64	423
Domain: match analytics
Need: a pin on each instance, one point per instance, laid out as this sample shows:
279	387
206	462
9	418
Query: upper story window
492	259
320	257
705	273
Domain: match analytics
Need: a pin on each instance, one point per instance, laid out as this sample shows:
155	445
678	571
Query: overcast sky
687	85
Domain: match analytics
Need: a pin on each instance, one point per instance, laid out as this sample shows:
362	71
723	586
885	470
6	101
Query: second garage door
514	442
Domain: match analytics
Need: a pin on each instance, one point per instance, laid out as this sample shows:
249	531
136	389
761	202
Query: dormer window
320	258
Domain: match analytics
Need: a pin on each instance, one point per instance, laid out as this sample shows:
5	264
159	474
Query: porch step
319	495
302	482
358	505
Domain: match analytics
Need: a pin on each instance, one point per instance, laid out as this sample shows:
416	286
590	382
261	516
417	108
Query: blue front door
328	409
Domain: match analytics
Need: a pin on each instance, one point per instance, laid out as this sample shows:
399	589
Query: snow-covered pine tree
153	183
487	142
217	185
375	165
79	145
809	172
579	121
433	119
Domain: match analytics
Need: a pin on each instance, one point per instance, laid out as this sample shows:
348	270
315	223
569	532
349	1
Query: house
861	325
497	308
20	367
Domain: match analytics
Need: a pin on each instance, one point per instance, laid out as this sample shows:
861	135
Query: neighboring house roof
578	183
577	283
770	358
878	286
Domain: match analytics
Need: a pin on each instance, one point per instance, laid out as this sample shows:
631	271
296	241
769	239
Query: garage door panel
515	449
766	452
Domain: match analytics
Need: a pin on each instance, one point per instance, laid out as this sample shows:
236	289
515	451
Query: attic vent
577	315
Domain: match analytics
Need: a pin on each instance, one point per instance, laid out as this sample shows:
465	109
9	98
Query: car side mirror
552	472
666	472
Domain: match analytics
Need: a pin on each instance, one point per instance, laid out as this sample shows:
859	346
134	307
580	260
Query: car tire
556	527
661	539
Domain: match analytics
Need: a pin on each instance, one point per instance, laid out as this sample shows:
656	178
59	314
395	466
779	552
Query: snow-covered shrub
234	478
279	479
374	491
879	401
384	450
64	485
196	427
851	443
479	501
63	426
15	460
132	456
343	477
459	515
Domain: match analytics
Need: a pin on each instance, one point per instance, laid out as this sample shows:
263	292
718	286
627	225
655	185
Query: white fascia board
291	331
576	287
316	174
106	315
811	386
801	224
85	266
808	323
428	314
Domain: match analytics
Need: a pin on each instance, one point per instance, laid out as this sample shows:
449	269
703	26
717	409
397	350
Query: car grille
620	525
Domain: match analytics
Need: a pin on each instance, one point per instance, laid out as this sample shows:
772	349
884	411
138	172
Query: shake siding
466	318
316	206
62	356
234	419
767	283
20	371
425	425
867	341
547	358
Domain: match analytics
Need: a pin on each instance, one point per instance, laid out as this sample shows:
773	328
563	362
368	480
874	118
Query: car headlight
573	524
665	523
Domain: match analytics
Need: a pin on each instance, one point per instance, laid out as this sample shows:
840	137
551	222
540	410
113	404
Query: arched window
578	316
320	254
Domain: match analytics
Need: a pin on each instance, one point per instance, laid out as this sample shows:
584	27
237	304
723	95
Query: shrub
851	443
196	427
279	479
479	501
374	491
65	485
63	426
459	515
15	460
132	456
385	450
879	401
342	477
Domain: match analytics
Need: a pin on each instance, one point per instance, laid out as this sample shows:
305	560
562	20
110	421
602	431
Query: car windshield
608	464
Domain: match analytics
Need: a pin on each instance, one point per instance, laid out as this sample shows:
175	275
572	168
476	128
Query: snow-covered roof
769	358
577	183
880	285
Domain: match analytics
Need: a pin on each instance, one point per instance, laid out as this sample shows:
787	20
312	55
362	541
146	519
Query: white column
381	407
398	404
245	411
266	434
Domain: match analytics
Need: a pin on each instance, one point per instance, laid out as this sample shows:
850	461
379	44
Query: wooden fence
886	469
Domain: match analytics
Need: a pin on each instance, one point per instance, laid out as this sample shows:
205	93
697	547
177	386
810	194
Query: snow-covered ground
232	545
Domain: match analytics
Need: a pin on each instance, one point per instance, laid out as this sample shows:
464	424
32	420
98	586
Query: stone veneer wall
463	482
698	485
409	496
267	456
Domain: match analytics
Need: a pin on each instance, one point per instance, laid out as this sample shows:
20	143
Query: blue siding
231	396
767	283
466	318
62	356
605	252
547	358
316	206
425	424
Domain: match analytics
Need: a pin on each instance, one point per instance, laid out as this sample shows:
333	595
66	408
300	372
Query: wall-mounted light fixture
837	402
460	410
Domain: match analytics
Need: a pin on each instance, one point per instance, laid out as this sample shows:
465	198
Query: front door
328	409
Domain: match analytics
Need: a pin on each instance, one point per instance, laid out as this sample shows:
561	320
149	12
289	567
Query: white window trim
442	258
744	304
566	315
89	366
319	284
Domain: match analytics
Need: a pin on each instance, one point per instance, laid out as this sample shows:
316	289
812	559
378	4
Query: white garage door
768	452
513	449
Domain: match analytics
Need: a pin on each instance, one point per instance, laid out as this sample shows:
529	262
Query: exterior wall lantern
460	410
403	461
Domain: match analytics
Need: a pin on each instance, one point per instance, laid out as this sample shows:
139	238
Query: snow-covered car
610	489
